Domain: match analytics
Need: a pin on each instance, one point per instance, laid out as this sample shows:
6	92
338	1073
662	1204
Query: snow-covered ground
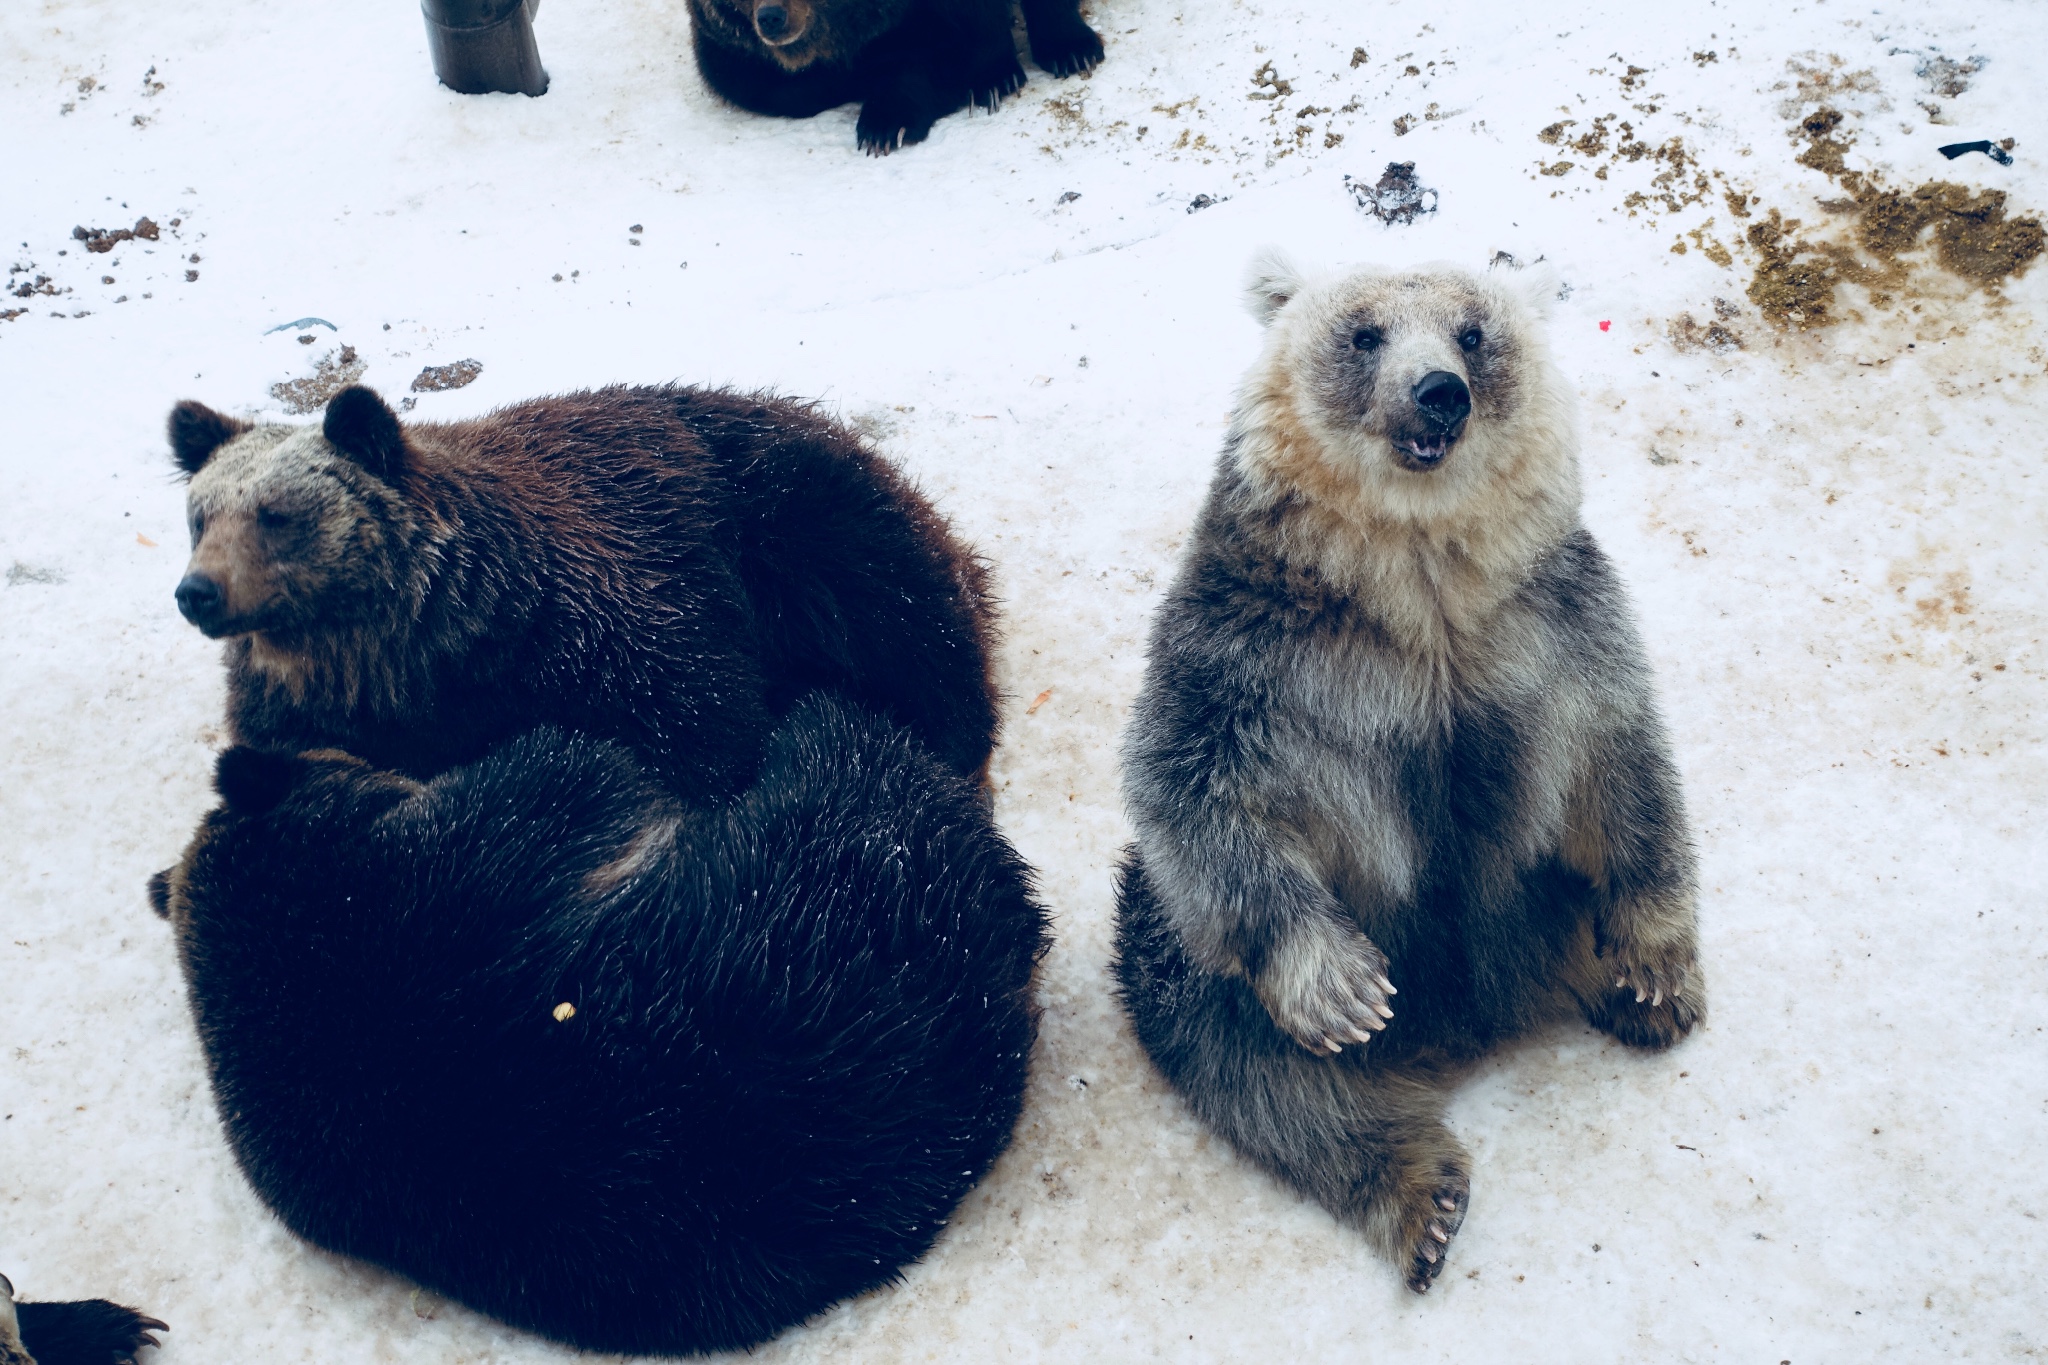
1835	539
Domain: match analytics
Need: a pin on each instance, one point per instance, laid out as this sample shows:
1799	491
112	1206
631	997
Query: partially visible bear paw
1659	992
1326	985
1431	1225
87	1332
888	121
995	82
1065	46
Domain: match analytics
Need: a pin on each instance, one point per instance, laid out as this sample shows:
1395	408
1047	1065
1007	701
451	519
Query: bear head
295	530
1425	397
795	34
278	810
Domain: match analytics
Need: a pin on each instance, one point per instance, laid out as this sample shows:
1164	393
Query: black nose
771	22
200	599
1443	398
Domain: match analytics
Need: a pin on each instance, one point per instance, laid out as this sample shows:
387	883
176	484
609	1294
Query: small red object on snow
1605	324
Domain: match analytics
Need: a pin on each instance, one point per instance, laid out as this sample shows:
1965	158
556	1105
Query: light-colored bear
1397	771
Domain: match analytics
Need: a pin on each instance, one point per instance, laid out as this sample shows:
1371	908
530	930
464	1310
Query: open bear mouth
1424	452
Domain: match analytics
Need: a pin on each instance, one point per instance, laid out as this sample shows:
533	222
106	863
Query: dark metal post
484	45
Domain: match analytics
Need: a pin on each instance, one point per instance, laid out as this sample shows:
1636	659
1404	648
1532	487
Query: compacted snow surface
1834	537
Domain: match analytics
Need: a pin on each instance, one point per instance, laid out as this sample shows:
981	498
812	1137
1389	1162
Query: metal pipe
481	46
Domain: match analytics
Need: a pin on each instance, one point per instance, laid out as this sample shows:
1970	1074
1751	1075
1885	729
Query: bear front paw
886	124
1659	993
1326	985
1065	47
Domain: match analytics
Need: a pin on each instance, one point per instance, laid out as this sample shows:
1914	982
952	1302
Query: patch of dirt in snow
440	378
1397	197
1875	238
1936	252
332	373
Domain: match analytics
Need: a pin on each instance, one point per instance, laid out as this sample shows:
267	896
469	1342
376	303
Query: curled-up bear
639	1076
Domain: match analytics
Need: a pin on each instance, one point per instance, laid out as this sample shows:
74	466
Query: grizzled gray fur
1397	771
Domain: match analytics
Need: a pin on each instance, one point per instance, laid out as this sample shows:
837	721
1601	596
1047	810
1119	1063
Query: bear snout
1442	403
1443	399
777	24
202	601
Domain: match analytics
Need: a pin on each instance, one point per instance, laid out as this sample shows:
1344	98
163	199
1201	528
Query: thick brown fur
908	63
669	567
1397	771
84	1332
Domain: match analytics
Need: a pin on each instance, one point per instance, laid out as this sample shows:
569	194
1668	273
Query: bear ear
251	782
363	427
1271	281
1535	286
197	431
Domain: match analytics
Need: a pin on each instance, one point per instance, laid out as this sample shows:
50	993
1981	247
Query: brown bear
667	567
908	63
88	1332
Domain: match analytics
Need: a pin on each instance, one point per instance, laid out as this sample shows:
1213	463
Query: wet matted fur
1397	771
637	1077
667	567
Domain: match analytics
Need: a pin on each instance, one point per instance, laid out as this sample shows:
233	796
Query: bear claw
1432	1244
1068	53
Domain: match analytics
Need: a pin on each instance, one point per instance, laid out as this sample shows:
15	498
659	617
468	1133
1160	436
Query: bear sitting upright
668	567
1397	733
908	62
642	1077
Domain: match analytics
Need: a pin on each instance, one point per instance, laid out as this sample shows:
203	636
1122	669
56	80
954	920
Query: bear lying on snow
908	62
637	1076
668	567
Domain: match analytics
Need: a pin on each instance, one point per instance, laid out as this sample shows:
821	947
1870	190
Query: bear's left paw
1655	972
1065	47
1659	993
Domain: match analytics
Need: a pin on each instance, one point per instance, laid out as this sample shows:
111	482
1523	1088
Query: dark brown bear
908	63
667	567
88	1332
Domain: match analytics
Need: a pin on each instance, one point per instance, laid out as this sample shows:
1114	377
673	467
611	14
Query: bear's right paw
887	123
995	82
1326	985
89	1332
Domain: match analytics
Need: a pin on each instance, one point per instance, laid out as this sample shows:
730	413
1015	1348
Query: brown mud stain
440	378
332	373
1798	276
1718	335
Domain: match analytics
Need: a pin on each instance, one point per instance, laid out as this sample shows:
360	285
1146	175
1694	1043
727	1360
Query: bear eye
1471	338
1366	339
272	519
